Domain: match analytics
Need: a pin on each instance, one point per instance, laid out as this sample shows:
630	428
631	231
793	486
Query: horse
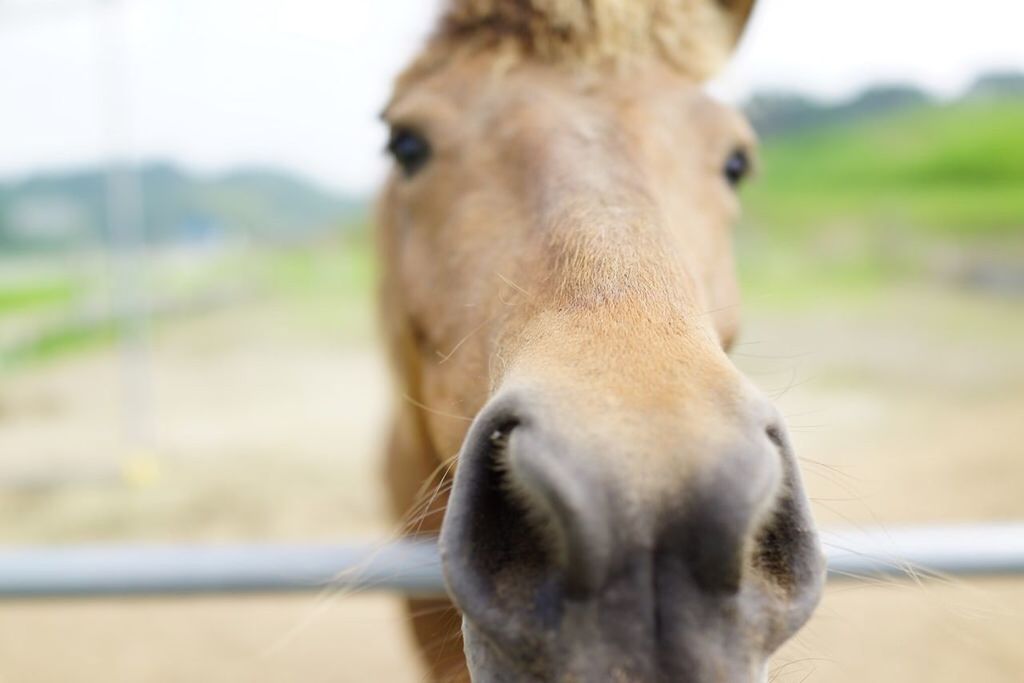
614	500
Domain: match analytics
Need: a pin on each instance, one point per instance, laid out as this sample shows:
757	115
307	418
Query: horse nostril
526	525
567	502
786	549
776	436
499	437
492	556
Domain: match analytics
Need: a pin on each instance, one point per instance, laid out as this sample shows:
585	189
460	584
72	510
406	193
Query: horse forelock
693	37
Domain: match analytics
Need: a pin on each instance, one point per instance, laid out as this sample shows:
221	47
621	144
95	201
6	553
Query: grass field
938	171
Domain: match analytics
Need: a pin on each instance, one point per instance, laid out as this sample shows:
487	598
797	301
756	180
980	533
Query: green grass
955	171
322	288
326	288
334	271
841	213
59	341
17	298
42	296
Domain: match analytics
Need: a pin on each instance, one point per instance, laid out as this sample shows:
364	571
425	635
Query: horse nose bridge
631	373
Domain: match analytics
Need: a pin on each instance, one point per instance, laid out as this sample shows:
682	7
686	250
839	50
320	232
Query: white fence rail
413	567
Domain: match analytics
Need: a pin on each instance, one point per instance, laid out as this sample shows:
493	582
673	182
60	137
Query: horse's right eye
737	167
410	149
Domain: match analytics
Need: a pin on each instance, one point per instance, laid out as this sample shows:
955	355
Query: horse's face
558	263
533	192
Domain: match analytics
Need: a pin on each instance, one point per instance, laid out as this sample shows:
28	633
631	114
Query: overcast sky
298	83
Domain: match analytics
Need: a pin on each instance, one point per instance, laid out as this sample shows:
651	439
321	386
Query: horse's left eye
737	166
409	148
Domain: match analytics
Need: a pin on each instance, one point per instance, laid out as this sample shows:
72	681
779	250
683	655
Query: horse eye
409	149
737	166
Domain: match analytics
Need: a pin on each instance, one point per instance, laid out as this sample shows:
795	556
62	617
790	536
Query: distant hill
998	84
62	209
780	113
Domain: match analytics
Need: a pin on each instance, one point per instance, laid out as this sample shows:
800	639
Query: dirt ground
940	634
905	408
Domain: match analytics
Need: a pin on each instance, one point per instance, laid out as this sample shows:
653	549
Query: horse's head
558	263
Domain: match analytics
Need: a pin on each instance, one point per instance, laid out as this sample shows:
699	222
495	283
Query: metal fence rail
413	567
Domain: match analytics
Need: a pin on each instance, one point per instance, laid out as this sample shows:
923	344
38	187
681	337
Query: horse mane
693	37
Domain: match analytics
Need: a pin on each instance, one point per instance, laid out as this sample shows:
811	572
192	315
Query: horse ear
737	15
699	36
